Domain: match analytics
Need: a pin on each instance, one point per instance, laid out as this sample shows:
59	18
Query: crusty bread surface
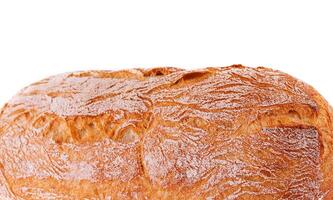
167	133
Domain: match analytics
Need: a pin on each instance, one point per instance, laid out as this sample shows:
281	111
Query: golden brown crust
161	133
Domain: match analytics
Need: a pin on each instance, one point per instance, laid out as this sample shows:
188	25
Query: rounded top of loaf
75	106
160	121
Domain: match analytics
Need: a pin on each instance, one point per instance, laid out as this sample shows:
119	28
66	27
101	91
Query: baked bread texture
166	133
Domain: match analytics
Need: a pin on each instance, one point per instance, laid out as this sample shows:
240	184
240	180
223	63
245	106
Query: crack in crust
168	133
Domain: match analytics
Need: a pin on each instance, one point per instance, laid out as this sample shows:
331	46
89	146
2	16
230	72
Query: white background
42	38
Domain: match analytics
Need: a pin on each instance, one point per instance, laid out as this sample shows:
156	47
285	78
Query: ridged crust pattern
166	133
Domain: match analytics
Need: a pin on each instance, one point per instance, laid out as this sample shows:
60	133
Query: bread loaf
166	133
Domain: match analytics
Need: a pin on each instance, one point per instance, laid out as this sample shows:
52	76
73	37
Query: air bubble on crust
159	71
192	77
129	136
40	122
294	114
